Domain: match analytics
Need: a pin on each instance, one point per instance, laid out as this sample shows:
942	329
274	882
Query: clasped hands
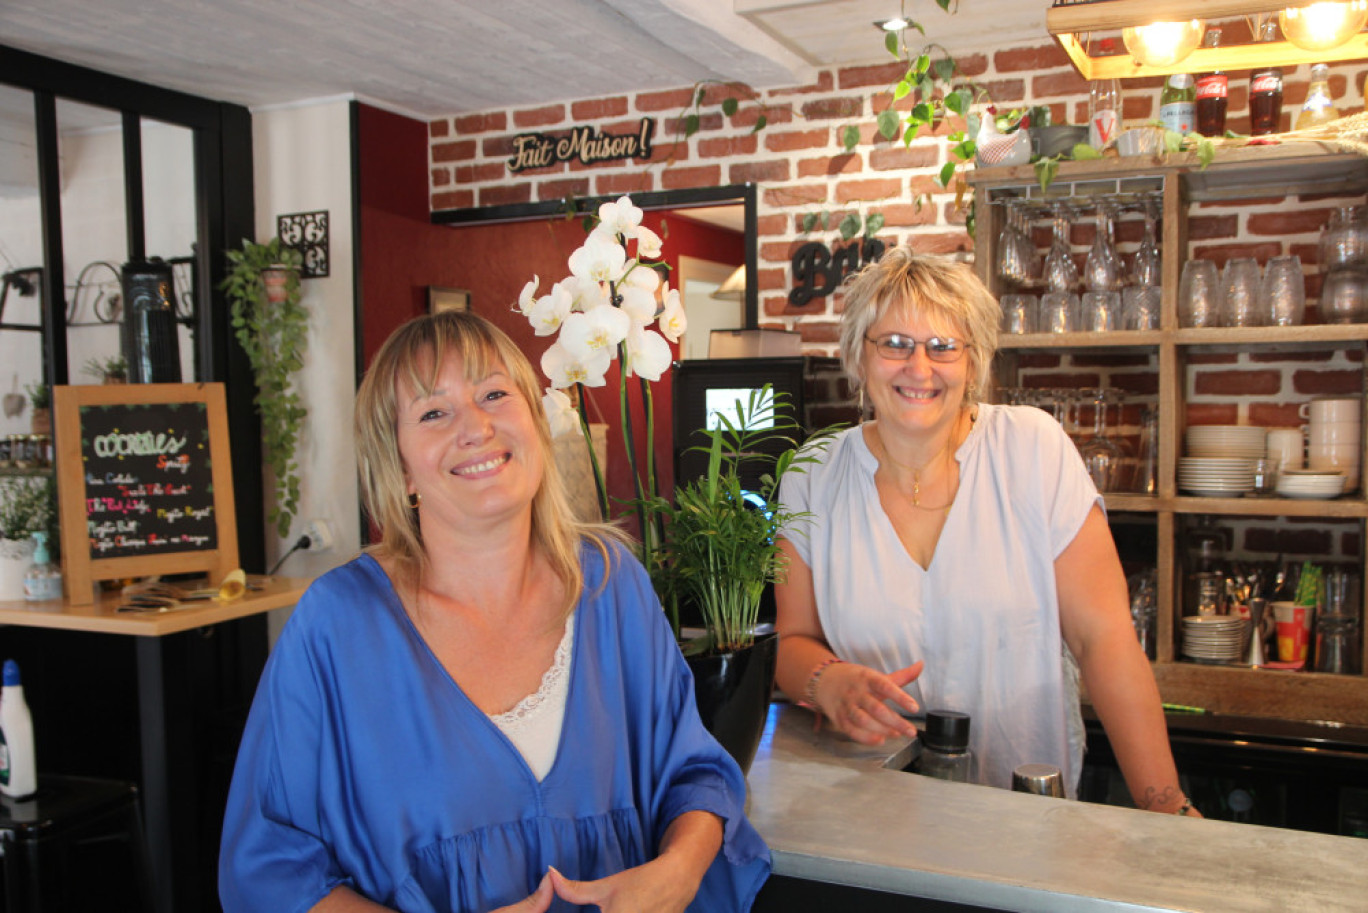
646	888
853	697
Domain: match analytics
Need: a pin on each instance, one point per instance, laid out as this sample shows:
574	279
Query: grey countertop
830	811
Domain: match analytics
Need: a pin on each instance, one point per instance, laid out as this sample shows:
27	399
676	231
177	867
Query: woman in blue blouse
487	710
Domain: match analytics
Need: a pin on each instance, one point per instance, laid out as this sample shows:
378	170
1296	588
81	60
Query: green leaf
808	221
1173	141
923	63
850	137
698	95
891	43
901	89
729	106
956	102
947	173
1082	152
873	223
850	226
943	4
1045	170
888	122
760	123
690	125
945	69
921	112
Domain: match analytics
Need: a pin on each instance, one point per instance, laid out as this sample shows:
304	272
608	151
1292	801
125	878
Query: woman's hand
852	697
536	902
649	888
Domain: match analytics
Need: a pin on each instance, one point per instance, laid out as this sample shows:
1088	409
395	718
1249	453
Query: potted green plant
40	398
272	324
720	552
26	507
109	370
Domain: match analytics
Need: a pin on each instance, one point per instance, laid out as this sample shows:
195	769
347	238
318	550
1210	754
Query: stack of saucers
1310	484
1216	477
1215	638
1247	442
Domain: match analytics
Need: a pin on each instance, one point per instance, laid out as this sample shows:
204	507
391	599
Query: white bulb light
1322	26
1163	44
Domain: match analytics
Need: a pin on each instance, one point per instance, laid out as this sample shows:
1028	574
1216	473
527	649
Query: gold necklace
917	471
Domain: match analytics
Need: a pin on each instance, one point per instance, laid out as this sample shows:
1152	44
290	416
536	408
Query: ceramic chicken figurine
994	148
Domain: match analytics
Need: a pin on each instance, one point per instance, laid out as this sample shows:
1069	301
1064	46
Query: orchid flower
648	354
673	322
560	413
618	220
528	296
599	330
598	261
565	369
550	311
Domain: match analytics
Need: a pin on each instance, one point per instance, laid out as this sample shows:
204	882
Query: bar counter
833	814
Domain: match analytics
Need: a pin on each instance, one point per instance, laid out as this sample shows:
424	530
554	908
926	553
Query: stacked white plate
1215	477
1215	638
1248	442
1310	484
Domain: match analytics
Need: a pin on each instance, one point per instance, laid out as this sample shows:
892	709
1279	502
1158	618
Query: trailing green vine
273	334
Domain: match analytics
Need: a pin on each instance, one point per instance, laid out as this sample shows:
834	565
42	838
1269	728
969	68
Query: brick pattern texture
801	167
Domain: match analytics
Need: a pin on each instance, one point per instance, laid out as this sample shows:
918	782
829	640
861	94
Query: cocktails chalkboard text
144	482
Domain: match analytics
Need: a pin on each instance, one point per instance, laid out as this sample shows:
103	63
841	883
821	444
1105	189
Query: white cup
1287	447
1321	456
1332	409
1323	433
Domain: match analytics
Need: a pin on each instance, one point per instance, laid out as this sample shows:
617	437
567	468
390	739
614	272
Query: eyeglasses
940	349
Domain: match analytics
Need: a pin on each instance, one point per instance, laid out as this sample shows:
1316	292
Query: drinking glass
1102	269
1058	313
1344	240
1147	469
1140	307
1145	267
1101	311
1101	455
1015	251
1344	296
1199	295
1060	272
1019	313
1282	297
1240	282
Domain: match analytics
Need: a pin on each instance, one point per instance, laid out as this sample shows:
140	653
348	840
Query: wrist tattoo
1158	798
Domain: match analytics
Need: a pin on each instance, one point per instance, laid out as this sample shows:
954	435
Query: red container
1265	101
1212	92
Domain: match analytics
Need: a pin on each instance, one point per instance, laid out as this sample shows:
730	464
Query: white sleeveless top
534	725
985	613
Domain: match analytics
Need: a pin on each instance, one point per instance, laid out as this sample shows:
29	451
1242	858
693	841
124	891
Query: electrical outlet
320	535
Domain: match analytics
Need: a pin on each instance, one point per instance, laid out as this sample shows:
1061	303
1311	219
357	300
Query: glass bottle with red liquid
1265	92
1213	90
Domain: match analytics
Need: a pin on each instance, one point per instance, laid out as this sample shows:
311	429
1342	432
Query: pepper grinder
1255	655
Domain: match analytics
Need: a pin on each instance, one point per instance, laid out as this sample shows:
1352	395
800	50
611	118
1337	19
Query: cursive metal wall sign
583	144
818	271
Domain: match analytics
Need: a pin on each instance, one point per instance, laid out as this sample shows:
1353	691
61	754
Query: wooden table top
263	595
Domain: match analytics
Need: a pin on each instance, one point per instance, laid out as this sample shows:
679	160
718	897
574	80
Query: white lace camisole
534	725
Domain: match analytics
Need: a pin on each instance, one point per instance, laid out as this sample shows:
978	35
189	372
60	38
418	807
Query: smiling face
470	446
917	397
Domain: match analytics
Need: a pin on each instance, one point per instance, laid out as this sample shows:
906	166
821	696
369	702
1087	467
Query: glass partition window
21	260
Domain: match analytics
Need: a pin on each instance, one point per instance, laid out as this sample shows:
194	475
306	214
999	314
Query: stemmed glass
1145	266
1061	273
1101	455
1016	252
1101	271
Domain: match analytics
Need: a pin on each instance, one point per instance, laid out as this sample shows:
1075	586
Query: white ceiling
428	58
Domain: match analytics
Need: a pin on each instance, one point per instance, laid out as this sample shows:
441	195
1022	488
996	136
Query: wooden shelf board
1265	692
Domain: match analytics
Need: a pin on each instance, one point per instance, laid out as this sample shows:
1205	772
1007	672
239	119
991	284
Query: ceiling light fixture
896	24
1163	44
1078	26
1322	26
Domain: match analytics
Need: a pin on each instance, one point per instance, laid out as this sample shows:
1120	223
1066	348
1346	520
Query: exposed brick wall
801	167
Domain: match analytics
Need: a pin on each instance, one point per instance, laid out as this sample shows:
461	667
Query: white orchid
566	369
648	243
528	296
550	311
648	354
560	413
599	330
639	305
618	220
598	261
673	322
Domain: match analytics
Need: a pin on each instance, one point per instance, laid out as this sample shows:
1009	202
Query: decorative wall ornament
307	232
583	144
818	271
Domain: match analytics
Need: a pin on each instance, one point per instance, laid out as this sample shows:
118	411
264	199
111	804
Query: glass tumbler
1344	296
1101	311
1344	240
1019	313
1140	307
1282	297
1240	284
1199	295
1058	312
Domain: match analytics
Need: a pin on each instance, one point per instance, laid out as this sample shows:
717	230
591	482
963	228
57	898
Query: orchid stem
629	439
593	456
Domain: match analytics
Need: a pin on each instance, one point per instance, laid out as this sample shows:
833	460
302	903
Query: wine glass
1101	455
1101	271
1145	265
1060	273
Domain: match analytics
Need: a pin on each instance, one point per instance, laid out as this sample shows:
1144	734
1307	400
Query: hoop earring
415	499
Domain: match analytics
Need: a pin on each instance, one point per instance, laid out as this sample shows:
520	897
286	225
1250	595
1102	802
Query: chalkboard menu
143	481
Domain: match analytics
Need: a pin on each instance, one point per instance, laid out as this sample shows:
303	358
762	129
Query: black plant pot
733	693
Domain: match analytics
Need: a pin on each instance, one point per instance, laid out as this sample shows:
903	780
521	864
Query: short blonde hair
414	353
922	286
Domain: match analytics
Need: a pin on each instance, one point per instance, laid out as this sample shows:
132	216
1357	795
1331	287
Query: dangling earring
973	392
862	409
415	499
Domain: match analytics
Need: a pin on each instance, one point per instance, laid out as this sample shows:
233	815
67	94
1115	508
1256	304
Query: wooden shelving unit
1178	181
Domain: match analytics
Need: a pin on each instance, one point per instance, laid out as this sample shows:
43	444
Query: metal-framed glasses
899	347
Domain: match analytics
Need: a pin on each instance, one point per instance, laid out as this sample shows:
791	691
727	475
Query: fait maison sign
583	144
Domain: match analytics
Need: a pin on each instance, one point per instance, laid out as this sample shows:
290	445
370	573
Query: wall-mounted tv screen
705	387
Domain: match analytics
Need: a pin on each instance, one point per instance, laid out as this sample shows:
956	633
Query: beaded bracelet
1186	808
810	689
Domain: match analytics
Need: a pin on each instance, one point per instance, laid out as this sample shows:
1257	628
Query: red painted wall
402	253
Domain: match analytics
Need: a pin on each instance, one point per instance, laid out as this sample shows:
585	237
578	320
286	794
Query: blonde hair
922	286
414	353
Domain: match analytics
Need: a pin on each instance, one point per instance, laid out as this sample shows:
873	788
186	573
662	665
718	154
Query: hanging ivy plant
272	327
